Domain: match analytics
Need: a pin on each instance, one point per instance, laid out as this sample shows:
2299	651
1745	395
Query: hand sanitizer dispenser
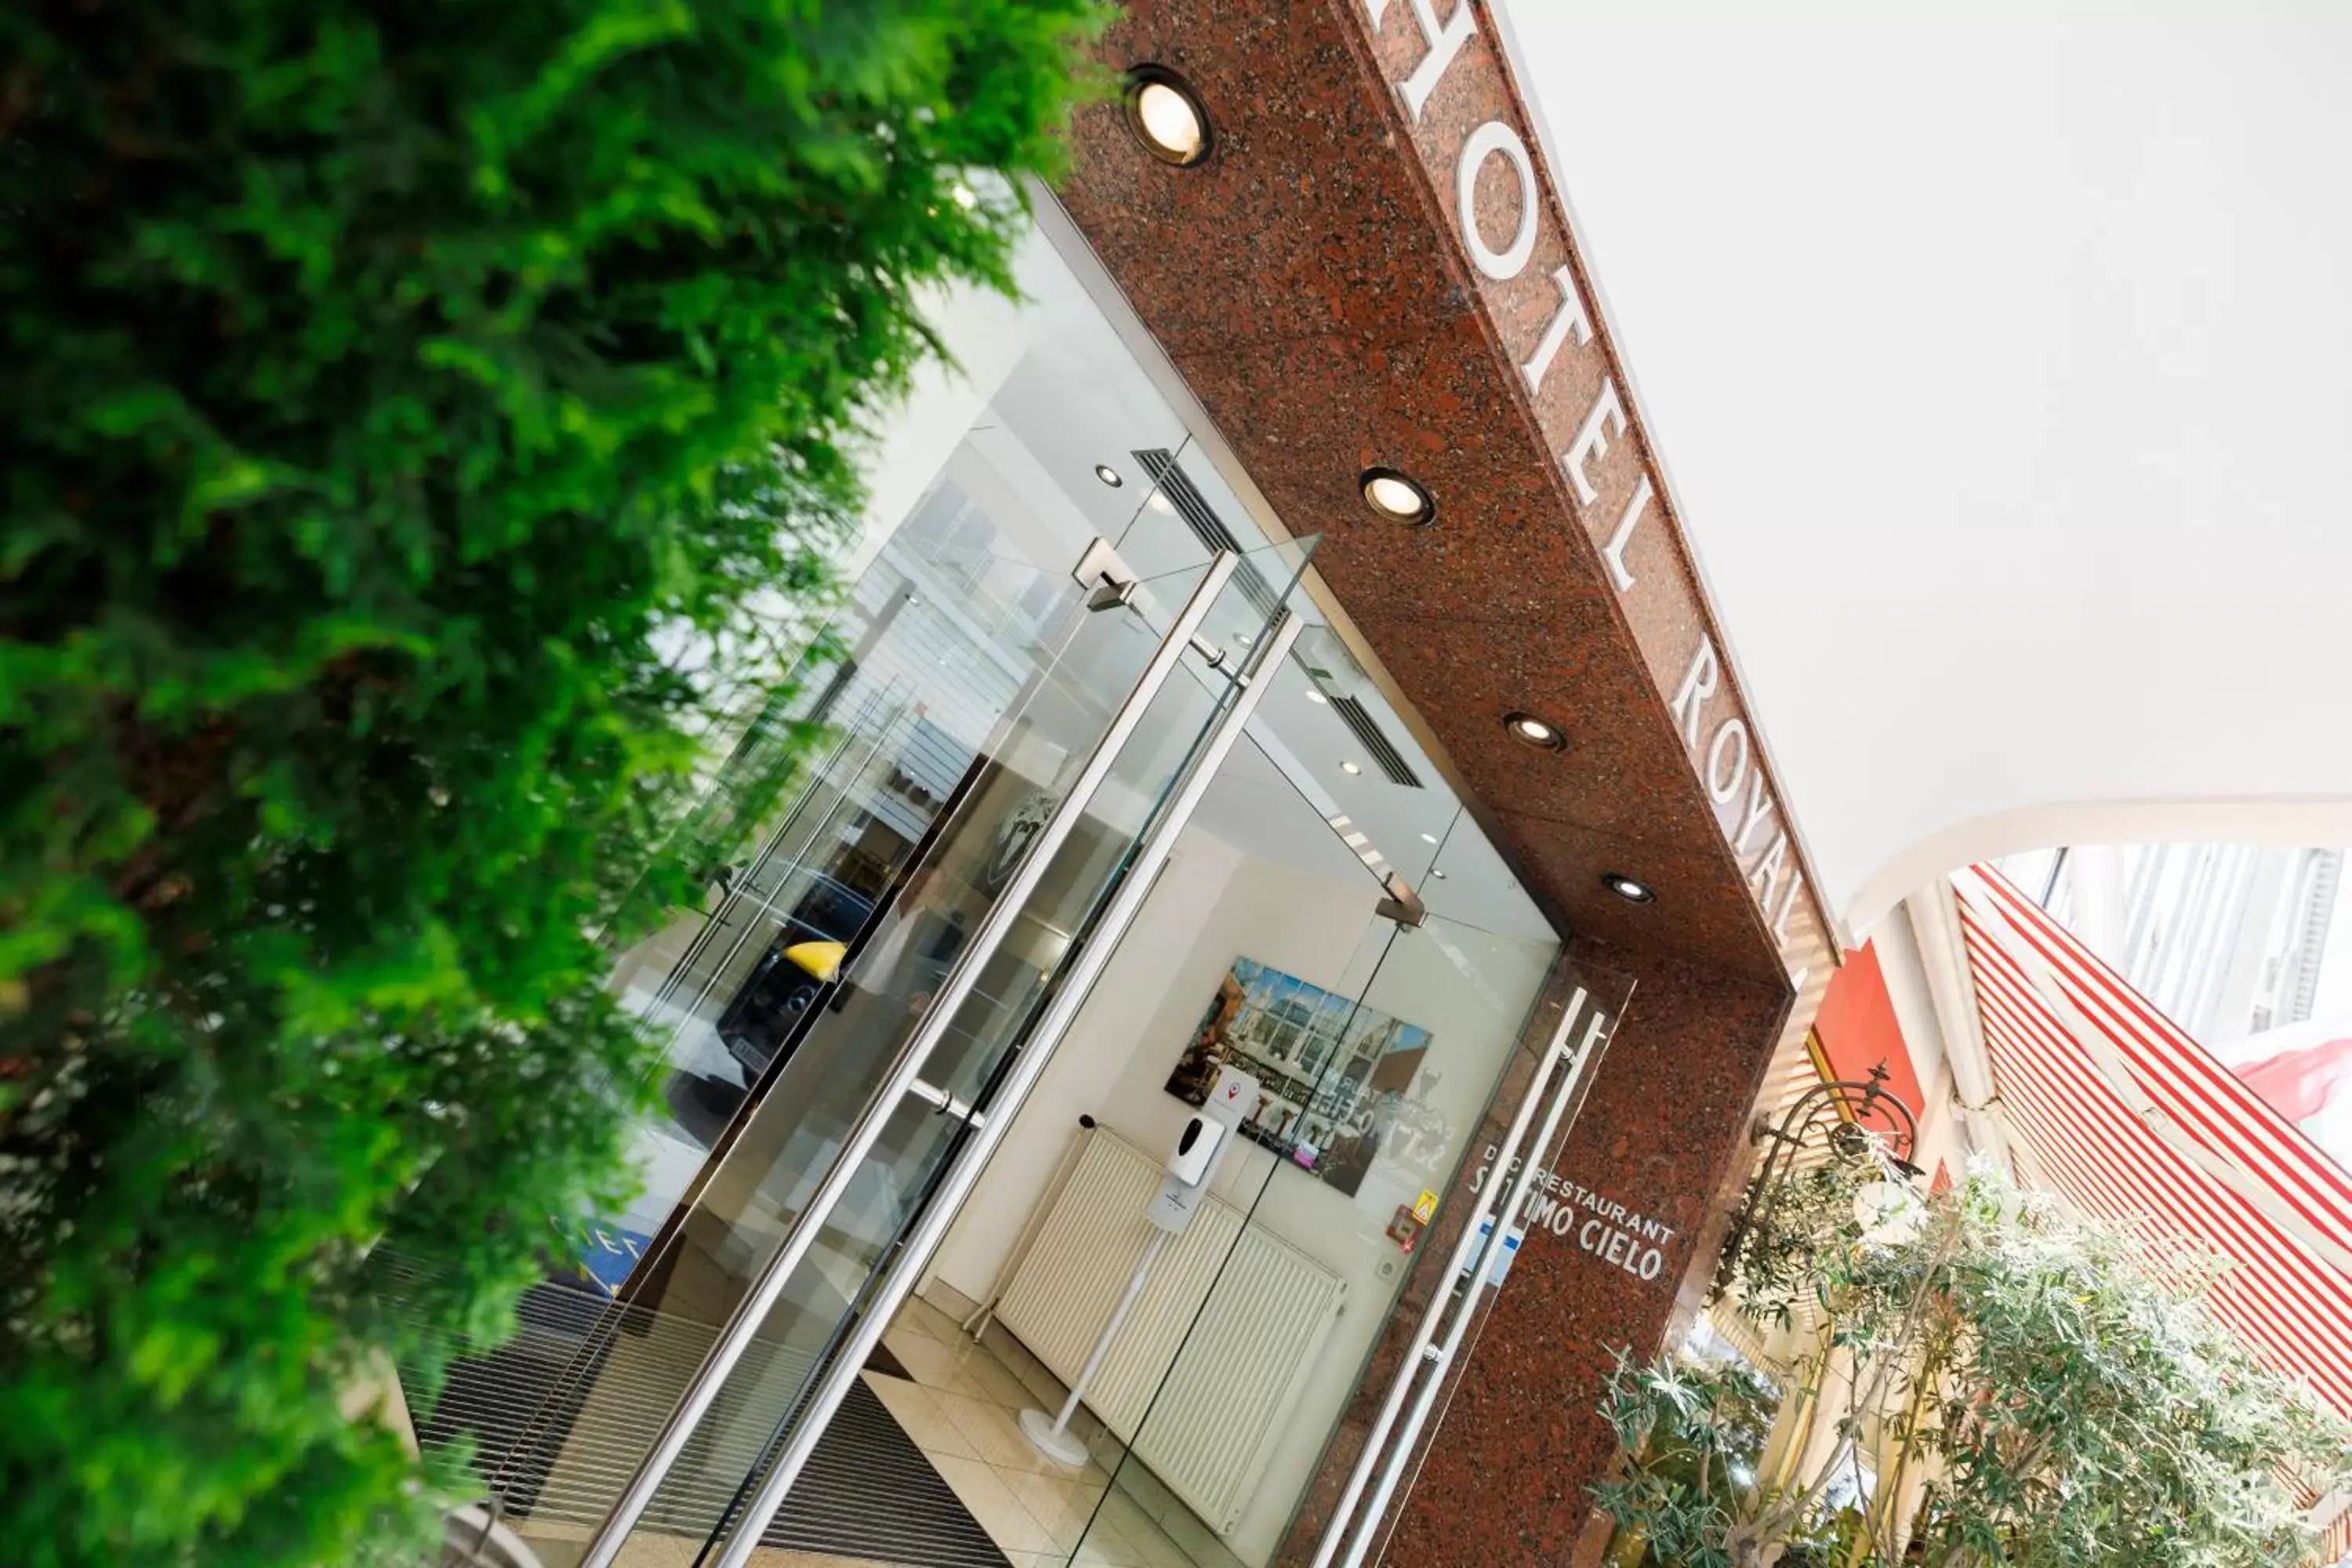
1196	1150
1201	1148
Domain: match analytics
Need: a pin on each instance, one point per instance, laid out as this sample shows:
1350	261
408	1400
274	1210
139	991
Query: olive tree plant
1984	1378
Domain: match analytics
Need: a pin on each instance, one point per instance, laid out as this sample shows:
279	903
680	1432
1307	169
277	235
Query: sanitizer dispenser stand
1200	1149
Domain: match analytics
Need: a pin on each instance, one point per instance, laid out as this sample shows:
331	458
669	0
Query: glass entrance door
880	933
870	977
1379	1027
1098	1388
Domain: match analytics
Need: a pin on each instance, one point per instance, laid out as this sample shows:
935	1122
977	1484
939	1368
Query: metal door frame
1485	1239
1035	1053
768	1287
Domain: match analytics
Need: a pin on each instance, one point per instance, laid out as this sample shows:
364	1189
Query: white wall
1995	353
1137	982
1212	906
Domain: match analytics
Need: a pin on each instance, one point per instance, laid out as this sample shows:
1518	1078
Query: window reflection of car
783	986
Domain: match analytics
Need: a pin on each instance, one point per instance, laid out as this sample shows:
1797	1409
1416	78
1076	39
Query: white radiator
1268	1309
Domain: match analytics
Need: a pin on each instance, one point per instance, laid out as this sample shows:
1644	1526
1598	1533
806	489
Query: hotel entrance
1083	832
1194	1377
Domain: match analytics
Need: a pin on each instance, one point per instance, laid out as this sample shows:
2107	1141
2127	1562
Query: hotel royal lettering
1428	51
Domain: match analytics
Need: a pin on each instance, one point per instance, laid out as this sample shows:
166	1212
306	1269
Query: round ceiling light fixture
1351	769
1167	116
1626	888
1109	475
1540	733
1398	497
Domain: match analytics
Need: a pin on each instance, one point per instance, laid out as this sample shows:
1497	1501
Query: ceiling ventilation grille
1366	729
1206	526
1331	667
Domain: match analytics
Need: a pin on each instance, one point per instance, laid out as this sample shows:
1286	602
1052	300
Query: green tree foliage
2003	1383
404	410
1703	1424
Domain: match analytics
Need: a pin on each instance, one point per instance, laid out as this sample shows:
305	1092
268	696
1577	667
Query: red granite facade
1371	268
1505	1476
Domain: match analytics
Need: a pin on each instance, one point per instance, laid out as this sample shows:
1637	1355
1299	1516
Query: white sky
2001	358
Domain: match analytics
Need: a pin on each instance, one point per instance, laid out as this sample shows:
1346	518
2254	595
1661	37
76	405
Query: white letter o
1488	139
1723	789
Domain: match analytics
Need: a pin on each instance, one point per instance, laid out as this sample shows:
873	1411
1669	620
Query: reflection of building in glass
923	663
2228	940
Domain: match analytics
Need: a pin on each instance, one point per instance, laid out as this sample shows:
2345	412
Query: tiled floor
962	1404
962	1409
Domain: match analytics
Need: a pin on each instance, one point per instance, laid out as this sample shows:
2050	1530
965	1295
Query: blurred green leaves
389	393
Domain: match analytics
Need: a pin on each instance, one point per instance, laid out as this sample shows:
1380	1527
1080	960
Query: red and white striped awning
2125	1117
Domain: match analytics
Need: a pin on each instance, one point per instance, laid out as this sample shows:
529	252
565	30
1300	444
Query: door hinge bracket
1401	905
1108	581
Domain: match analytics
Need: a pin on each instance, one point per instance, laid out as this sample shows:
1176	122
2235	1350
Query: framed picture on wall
1333	1071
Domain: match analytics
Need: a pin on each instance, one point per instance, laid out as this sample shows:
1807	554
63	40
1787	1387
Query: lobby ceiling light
1167	116
1534	732
1398	497
1626	888
1316	697
1429	839
1351	769
1109	475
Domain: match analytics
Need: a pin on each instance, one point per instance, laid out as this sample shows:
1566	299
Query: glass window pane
847	1042
1380	1051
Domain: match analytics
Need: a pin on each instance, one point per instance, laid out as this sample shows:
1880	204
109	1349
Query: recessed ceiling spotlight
1429	839
1315	696
1534	732
1351	769
1161	503
1244	638
1399	497
1436	873
1626	888
1167	116
1109	475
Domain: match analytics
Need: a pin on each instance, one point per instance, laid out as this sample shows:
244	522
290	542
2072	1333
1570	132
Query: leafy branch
2016	1387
